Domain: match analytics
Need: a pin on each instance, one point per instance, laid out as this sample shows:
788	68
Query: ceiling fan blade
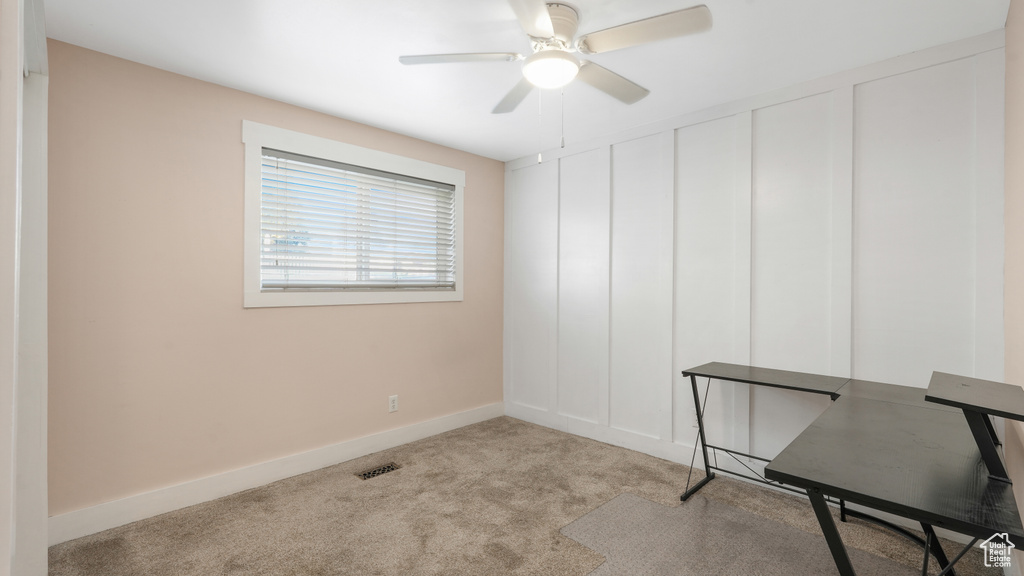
513	98
448	58
533	17
611	83
671	25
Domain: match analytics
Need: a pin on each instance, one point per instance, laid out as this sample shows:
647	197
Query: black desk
797	381
914	461
891	393
979	399
977	395
895	449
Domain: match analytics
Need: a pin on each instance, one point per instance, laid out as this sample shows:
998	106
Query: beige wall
157	374
1013	296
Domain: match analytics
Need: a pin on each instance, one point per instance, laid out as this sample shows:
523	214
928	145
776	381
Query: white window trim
258	136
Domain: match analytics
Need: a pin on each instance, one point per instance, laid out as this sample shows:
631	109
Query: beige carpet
485	499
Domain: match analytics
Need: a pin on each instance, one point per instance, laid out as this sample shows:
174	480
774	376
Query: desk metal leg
708	474
985	438
929	538
936	549
828	528
949	569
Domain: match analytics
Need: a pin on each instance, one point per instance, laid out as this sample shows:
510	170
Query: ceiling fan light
551	68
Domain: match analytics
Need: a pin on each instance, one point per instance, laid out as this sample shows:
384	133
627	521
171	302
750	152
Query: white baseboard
667	450
108	515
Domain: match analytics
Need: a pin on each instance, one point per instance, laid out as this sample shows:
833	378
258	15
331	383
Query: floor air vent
378	471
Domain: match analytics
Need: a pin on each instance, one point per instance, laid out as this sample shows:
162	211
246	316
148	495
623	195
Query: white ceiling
341	56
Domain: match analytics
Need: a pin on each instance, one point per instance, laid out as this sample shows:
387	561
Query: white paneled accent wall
916	223
532	297
712	269
640	397
583	268
851	226
791	262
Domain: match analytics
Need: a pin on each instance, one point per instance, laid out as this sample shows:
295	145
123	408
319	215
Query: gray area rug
707	538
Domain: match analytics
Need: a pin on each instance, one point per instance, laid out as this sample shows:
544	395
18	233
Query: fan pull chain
540	124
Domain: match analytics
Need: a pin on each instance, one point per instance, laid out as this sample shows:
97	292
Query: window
331	223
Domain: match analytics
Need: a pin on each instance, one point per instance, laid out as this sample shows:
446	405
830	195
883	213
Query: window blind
326	225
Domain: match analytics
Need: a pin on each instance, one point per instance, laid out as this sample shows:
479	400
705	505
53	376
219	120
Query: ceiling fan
553	64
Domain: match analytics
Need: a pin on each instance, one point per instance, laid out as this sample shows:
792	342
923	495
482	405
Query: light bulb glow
551	68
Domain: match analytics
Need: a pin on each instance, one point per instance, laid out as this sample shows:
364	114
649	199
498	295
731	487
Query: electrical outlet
393	403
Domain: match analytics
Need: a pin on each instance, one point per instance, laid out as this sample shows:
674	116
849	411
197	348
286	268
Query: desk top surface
918	461
977	395
801	381
891	393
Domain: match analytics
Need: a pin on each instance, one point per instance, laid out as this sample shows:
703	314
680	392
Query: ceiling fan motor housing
564	21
